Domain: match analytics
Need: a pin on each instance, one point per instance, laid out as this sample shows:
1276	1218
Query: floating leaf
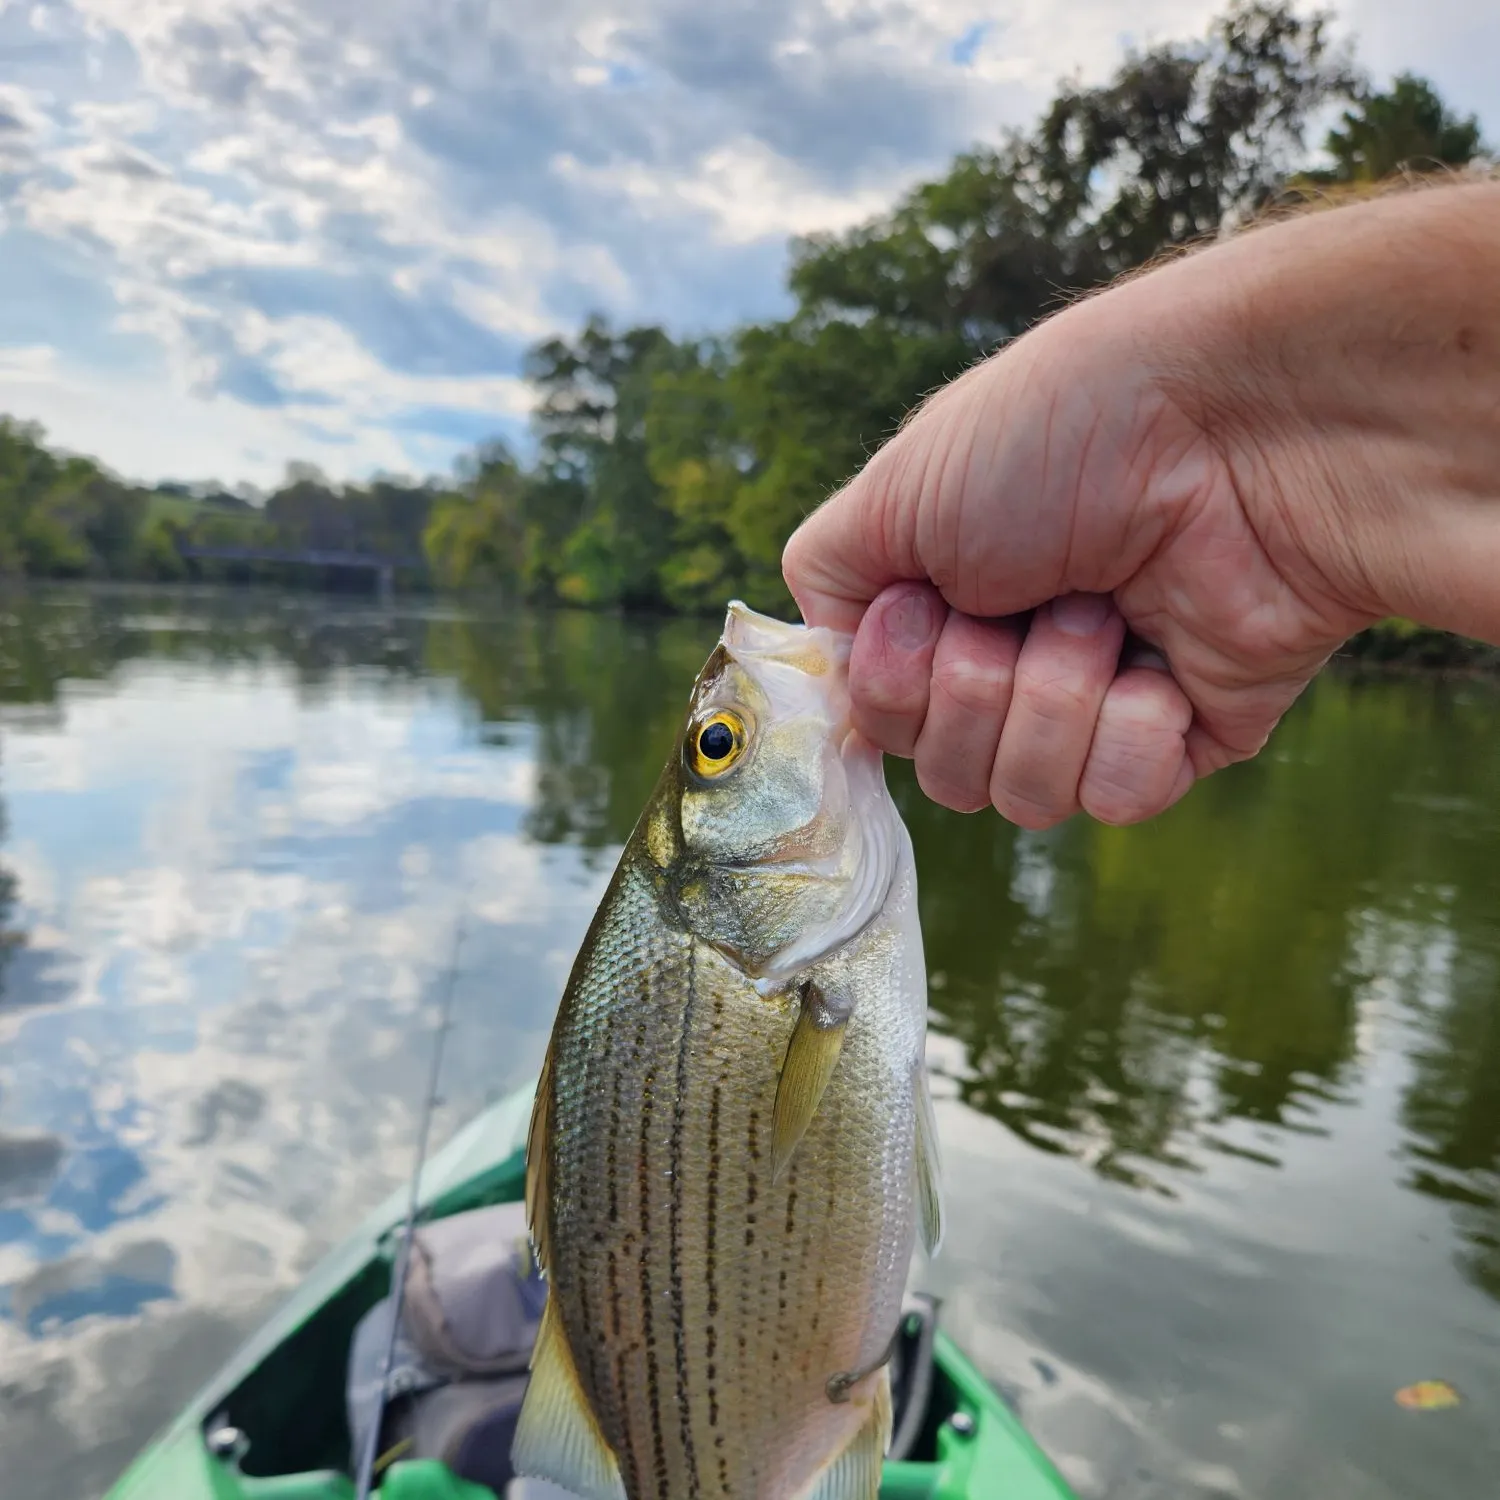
1427	1395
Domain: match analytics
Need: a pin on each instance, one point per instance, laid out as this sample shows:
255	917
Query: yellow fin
538	1165
855	1473
557	1437
929	1168
811	1056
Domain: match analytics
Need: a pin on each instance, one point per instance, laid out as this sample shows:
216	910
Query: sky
235	233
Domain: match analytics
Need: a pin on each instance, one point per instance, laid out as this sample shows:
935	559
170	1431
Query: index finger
847	551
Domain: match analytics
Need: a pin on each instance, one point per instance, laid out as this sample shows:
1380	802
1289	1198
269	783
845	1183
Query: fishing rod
365	1475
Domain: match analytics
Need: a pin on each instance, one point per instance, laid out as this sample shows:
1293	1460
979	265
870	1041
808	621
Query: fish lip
749	634
771	862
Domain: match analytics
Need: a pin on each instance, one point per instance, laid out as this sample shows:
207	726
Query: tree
476	534
1406	127
1183	138
698	458
966	260
1186	137
591	420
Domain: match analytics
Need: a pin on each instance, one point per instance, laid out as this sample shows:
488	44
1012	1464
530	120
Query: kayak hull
278	1382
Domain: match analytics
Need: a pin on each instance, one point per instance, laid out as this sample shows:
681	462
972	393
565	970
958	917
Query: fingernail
912	622
1147	657
1080	614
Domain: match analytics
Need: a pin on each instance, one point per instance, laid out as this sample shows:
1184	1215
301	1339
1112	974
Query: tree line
66	516
669	470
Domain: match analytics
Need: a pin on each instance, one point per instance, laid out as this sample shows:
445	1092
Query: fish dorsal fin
538	1170
811	1056
557	1437
855	1473
929	1167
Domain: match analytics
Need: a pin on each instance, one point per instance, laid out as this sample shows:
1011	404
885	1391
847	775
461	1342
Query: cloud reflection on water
1219	1108
253	895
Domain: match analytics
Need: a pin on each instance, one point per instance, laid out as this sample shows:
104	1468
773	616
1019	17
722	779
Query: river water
1219	1096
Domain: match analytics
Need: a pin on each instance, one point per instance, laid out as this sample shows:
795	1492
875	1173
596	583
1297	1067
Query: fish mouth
816	650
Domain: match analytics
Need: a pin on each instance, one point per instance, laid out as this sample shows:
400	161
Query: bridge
384	568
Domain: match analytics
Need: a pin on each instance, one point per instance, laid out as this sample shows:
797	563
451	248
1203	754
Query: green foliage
475	535
1185	137
157	554
61	516
669	472
1407	128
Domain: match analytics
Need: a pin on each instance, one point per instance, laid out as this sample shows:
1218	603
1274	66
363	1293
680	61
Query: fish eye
717	743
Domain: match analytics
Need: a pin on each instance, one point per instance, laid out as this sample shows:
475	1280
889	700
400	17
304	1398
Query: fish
732	1148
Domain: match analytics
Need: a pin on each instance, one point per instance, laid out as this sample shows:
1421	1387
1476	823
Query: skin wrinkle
1139	704
1049	421
1110	786
1066	565
968	493
1223	455
946	456
972	681
976	675
898	543
1029	773
1216	421
1281	511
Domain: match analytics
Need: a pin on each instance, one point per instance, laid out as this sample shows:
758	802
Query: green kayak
274	1424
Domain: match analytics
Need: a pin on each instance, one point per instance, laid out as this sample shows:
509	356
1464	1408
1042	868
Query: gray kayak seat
469	1317
471	1311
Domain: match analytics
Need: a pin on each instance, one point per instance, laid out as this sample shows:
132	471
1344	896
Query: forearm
1348	362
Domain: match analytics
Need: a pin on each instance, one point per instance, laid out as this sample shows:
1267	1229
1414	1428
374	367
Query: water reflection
244	829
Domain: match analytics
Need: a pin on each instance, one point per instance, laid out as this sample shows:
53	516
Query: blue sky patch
966	48
213	227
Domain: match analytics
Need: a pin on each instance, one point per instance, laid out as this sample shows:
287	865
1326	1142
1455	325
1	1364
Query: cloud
248	230
213	1047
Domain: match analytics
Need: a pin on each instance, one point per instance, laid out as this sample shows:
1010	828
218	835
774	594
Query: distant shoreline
1392	646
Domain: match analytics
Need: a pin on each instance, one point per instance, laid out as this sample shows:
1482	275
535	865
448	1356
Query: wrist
1347	365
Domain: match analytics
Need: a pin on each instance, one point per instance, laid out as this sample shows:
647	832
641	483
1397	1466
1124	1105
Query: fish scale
702	1305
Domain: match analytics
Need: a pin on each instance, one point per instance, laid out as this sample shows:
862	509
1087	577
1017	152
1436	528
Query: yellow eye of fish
717	743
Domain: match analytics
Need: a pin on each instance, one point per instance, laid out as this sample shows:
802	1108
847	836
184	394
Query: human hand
1176	456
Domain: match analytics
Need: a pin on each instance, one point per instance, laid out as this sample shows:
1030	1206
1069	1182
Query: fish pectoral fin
855	1473
929	1167
538	1157
557	1436
811	1056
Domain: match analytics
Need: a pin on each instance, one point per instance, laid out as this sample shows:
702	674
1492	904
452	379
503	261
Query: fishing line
365	1474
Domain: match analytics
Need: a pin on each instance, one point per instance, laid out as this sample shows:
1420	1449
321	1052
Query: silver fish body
732	1148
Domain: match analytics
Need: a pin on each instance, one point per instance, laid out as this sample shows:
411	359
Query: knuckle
1120	793
1137	751
973	683
1055	699
888	695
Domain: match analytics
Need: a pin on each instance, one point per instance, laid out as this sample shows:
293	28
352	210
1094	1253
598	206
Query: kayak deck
284	1389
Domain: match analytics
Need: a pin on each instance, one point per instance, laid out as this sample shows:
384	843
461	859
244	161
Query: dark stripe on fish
674	1227
653	1371
590	1345
711	1332
611	1160
629	1463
